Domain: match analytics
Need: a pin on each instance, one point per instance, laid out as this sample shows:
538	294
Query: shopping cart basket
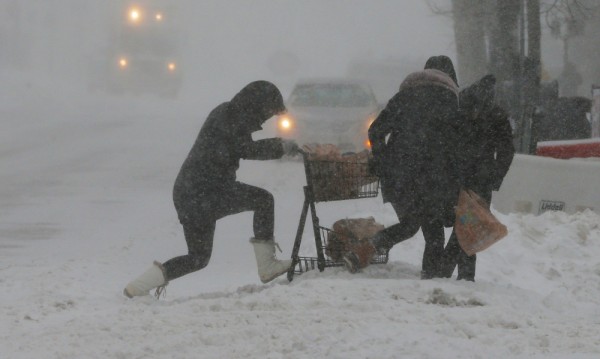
343	178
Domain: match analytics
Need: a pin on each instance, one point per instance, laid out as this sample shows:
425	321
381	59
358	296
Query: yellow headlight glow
134	15
285	123
158	16
123	62
370	121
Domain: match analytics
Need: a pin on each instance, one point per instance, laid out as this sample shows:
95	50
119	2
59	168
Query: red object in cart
569	149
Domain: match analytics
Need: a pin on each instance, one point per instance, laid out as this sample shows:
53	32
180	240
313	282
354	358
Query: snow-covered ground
85	205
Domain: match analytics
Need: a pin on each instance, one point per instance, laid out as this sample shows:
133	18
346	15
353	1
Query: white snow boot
269	267
152	278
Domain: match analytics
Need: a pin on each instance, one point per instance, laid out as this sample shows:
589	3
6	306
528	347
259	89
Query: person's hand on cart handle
290	147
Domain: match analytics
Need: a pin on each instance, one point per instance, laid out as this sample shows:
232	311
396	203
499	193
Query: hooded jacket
444	64
418	159
225	138
487	148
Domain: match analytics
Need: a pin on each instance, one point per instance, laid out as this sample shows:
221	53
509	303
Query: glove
290	147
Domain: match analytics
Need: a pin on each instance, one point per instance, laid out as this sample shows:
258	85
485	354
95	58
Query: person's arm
459	135
505	149
266	149
382	126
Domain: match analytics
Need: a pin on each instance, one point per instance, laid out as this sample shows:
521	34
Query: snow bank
537	295
536	184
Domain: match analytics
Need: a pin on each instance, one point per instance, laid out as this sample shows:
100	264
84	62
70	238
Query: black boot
450	256
466	267
381	244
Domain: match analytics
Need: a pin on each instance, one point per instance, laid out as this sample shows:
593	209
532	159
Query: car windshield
331	95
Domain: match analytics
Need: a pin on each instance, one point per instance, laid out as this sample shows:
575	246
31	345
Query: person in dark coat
417	163
487	152
206	188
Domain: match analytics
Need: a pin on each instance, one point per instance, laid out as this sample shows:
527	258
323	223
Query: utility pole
527	79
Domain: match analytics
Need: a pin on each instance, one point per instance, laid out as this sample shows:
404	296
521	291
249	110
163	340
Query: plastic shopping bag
476	227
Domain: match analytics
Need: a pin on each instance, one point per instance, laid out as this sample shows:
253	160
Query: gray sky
249	39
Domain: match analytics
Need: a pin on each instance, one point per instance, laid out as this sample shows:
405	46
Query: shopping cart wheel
351	262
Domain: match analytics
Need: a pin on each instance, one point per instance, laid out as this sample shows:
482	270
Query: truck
142	55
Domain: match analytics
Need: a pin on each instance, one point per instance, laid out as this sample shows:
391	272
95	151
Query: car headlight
285	123
370	121
171	66
123	63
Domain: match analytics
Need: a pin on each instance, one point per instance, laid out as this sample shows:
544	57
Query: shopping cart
340	179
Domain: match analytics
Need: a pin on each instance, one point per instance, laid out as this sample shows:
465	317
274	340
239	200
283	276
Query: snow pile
536	295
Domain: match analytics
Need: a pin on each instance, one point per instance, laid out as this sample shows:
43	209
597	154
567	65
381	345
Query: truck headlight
134	15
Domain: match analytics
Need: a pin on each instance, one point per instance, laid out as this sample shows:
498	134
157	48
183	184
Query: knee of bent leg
267	201
199	261
270	200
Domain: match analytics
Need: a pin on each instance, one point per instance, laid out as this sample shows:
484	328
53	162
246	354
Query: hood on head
429	77
257	102
444	64
480	95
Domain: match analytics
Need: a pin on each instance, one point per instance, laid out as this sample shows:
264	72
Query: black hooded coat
206	188
225	139
417	162
487	151
415	145
488	147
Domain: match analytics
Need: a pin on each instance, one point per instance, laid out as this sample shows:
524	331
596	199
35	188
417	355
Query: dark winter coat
225	139
488	151
487	146
418	160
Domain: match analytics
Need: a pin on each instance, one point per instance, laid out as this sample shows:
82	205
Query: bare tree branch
570	13
437	9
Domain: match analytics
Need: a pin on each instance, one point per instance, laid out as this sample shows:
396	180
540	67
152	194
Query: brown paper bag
353	235
476	227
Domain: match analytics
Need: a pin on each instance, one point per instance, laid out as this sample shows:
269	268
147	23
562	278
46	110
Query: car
329	111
